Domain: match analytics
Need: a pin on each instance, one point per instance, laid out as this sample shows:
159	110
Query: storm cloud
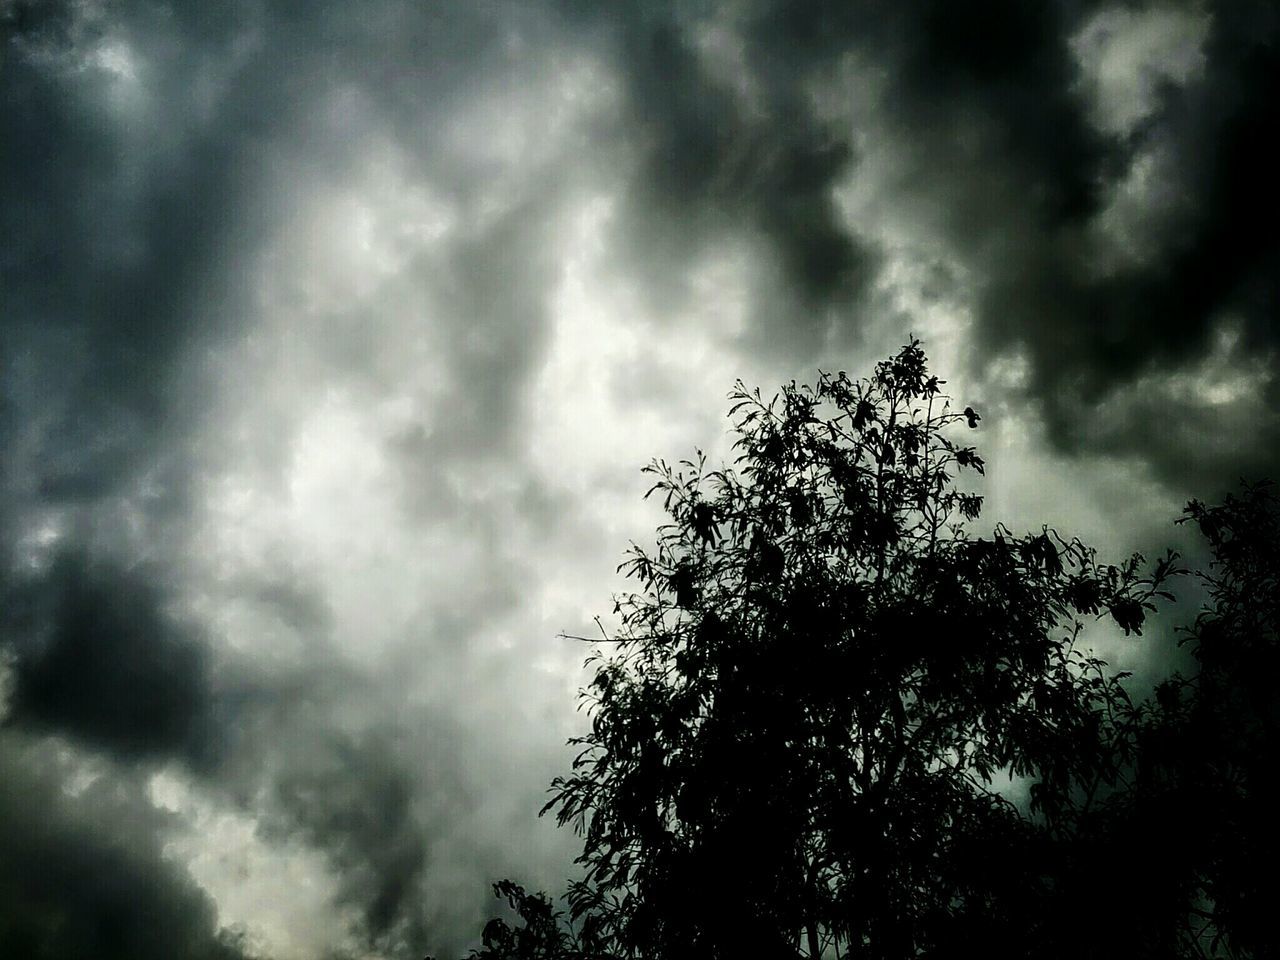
334	335
82	869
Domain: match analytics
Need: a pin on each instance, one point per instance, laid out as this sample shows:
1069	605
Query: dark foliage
837	722
1175	857
1209	742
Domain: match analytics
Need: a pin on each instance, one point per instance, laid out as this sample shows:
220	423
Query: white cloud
1126	54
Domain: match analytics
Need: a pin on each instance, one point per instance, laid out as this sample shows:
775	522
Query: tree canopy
1209	742
836	721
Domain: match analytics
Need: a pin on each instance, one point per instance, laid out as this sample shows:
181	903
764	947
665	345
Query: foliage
542	935
823	680
1209	742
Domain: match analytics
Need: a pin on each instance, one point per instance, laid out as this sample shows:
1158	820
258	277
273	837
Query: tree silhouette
543	934
823	694
1208	743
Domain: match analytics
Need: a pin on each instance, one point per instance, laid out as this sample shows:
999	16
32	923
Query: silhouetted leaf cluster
827	696
1210	742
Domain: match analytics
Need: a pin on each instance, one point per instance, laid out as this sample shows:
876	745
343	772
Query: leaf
1128	613
683	582
703	520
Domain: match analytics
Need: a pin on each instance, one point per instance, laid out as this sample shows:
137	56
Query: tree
824	690
542	935
1208	743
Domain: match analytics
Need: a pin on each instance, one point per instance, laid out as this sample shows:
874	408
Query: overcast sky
333	337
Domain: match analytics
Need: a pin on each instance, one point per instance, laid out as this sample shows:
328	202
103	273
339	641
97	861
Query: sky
333	337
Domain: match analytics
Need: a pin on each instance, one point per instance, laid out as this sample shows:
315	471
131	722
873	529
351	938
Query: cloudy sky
333	336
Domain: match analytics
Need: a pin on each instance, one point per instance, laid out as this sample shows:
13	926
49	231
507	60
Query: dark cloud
727	121
716	160
151	151
353	797
1009	73
160	168
120	253
151	154
313	751
96	656
994	128
83	871
1089	335
119	257
718	133
999	134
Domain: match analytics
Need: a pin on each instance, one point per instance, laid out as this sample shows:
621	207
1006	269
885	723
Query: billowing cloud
1097	174
93	655
334	336
83	871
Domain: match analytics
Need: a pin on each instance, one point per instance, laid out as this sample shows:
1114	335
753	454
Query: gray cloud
1004	140
729	144
82	869
95	656
1102	254
1091	334
121	258
318	751
292	500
